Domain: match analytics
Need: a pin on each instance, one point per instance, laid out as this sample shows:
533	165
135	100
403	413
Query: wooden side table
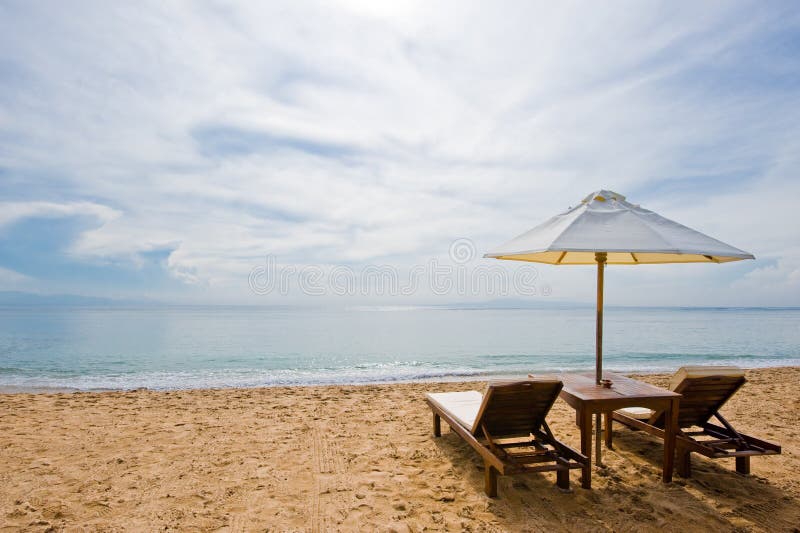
587	398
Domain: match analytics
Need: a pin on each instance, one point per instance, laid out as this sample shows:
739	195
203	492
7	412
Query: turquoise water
190	347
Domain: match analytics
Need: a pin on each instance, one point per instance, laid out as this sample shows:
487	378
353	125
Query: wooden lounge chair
507	427
704	390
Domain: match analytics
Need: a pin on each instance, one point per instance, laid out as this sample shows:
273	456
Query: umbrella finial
603	195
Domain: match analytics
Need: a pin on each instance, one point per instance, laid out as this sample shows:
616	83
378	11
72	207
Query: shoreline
478	378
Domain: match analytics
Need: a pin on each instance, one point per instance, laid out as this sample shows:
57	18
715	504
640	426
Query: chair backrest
704	390
514	408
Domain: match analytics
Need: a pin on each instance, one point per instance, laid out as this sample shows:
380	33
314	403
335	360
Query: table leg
670	428
608	429
598	430
586	448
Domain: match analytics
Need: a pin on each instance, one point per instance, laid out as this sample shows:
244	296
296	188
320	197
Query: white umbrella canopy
627	233
605	228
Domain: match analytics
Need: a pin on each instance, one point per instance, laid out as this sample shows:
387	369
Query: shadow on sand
628	494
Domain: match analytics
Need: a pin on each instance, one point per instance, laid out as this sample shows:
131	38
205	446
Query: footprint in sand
771	515
99	509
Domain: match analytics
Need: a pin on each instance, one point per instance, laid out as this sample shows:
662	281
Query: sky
269	152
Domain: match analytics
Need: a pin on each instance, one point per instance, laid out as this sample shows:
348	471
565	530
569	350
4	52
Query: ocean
210	347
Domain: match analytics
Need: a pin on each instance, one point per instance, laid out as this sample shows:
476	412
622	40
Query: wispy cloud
11	212
190	140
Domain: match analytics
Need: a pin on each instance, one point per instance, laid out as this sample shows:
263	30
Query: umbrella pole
600	257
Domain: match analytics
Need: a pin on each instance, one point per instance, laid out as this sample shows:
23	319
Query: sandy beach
347	458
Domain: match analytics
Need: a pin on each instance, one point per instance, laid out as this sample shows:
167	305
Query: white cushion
691	372
462	406
639	413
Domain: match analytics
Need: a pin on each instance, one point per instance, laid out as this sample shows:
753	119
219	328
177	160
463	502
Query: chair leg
609	421
743	465
437	425
684	465
562	479
490	480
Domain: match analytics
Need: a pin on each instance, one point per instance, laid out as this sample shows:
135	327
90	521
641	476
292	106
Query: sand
358	458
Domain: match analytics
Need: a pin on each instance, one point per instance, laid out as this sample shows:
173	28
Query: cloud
777	281
221	141
198	138
10	279
11	212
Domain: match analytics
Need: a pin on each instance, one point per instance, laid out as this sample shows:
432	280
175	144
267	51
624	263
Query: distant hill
29	299
515	303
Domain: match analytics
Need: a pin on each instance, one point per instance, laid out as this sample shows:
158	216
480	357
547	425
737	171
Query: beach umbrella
606	229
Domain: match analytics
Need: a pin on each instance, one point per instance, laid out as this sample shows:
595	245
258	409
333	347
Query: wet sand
359	458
